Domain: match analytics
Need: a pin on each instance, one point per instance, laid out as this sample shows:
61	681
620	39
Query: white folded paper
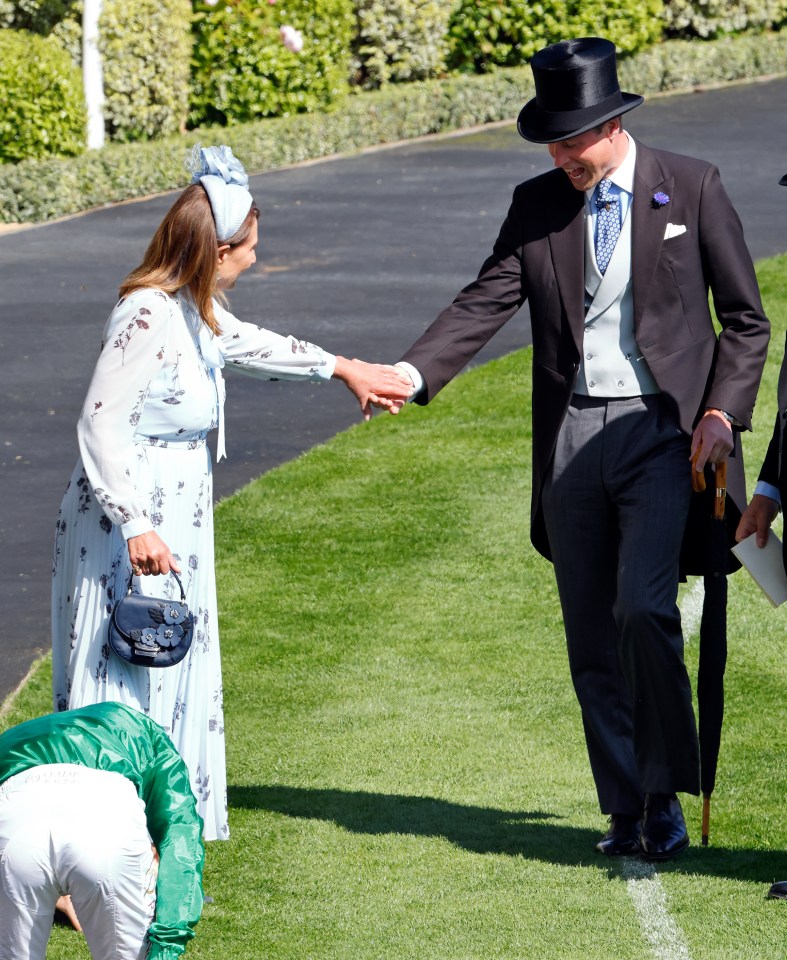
765	565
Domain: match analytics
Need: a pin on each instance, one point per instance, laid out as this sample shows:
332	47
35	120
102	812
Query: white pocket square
674	230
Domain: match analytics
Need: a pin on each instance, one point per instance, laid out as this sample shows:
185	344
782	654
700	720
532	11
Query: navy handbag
150	631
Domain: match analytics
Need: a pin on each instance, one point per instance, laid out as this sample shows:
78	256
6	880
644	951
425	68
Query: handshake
375	384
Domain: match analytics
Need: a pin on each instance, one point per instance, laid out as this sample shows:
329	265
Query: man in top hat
769	495
615	250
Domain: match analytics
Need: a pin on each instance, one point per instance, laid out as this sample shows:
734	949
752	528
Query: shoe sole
633	852
661	857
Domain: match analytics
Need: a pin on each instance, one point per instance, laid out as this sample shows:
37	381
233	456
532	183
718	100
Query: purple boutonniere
659	200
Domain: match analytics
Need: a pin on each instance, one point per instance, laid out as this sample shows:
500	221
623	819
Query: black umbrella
713	641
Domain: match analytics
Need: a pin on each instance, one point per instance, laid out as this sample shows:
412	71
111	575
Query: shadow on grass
532	834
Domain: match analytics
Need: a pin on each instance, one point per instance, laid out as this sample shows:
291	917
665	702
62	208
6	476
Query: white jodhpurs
67	829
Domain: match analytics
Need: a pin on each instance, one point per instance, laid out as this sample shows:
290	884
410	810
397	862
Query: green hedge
146	48
241	70
399	40
146	51
42	108
36	16
42	190
683	64
714	18
484	34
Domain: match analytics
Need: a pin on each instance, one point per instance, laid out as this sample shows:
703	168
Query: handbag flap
167	621
151	631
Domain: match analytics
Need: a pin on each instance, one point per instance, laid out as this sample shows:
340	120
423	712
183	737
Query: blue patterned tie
607	224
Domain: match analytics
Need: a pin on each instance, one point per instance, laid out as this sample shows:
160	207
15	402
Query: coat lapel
647	228
567	242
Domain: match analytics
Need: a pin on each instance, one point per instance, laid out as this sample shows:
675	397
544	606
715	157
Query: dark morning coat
539	257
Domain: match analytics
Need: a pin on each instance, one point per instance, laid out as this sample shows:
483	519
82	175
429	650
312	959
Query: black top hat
783	180
576	89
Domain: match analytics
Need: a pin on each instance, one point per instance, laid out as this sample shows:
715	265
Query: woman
140	498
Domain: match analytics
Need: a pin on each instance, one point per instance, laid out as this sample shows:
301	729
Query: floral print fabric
156	392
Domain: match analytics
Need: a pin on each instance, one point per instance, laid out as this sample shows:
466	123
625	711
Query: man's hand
149	555
757	518
712	440
374	384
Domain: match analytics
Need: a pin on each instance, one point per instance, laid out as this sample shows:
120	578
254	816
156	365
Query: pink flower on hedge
292	39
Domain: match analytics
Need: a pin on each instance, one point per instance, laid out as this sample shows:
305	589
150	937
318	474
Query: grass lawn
407	771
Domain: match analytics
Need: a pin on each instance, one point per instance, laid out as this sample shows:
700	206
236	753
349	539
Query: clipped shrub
687	64
244	68
145	46
484	34
713	18
39	190
42	107
36	16
399	40
69	33
49	18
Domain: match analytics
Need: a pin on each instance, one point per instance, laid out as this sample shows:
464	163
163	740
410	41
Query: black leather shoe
622	838
778	891
664	833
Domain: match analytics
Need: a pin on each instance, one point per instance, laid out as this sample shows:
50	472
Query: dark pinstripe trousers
615	504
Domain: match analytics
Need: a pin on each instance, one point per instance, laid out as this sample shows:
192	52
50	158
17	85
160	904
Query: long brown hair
183	253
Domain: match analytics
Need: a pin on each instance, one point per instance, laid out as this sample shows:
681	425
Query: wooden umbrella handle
697	476
720	500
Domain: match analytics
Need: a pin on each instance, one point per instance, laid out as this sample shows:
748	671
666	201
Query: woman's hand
149	555
374	384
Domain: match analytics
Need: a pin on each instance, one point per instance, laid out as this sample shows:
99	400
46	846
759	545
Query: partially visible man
616	250
769	495
85	796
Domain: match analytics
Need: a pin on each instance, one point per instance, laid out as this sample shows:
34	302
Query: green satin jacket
113	737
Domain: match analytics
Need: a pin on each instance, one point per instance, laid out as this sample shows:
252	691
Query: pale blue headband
225	182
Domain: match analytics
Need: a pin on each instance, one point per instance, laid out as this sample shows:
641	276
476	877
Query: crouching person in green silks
95	803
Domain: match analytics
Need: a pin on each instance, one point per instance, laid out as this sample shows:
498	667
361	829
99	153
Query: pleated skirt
91	571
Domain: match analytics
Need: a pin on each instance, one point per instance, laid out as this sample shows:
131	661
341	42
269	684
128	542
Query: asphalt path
357	254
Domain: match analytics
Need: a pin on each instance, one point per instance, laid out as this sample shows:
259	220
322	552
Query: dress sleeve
176	828
271	356
132	354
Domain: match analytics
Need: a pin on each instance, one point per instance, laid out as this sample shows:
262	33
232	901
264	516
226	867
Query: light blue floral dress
156	392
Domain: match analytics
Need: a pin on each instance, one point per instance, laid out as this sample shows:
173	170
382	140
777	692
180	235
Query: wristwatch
733	421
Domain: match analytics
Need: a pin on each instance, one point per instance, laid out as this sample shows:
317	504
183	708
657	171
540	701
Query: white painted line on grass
643	885
691	609
650	901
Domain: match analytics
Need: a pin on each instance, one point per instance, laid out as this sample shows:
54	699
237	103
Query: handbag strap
172	572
